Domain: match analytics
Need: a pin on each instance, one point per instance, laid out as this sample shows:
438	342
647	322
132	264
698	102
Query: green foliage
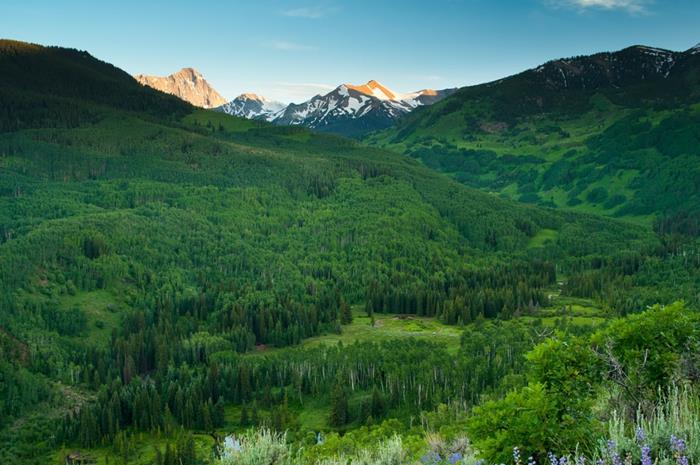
551	413
639	355
603	140
652	350
526	417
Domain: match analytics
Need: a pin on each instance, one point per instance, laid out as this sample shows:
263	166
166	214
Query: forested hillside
160	264
611	133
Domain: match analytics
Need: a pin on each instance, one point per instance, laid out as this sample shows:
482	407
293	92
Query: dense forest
179	286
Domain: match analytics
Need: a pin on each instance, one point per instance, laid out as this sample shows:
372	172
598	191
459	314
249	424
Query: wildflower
612	451
563	460
454	458
431	458
677	444
678	448
531	461
580	460
516	455
640	435
552	459
646	455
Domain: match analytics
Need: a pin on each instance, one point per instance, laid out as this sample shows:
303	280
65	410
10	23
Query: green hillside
612	133
164	270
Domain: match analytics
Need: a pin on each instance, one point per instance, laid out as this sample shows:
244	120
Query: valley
429	293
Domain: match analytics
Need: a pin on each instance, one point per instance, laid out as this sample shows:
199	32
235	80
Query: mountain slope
615	133
57	87
347	110
187	84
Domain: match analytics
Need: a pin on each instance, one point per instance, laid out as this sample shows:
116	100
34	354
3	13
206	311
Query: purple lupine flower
677	444
563	460
600	462
640	435
612	451
678	448
431	458
580	460
646	455
531	461
552	459
516	455
454	458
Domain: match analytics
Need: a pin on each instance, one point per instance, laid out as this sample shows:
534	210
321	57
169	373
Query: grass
102	311
386	326
143	451
542	238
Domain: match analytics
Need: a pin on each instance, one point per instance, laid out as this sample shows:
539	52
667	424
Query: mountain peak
375	89
694	50
187	84
252	96
252	106
189	72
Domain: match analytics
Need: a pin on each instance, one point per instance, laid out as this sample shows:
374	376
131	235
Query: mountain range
350	110
187	84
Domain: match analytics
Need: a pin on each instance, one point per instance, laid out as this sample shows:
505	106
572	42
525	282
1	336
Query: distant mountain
187	84
252	106
616	133
347	110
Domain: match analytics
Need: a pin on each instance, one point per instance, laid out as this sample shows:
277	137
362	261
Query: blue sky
291	50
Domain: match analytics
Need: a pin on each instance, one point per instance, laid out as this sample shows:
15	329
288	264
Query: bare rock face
187	84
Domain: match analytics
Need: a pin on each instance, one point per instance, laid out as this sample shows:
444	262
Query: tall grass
668	434
675	415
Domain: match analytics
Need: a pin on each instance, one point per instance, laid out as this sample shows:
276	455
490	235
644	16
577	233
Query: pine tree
345	313
378	404
339	405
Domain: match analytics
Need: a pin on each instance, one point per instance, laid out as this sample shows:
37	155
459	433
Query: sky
291	50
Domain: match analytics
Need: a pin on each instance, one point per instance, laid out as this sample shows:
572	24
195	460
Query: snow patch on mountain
347	103
252	106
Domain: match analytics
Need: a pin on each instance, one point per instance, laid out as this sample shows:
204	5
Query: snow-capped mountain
349	109
252	106
188	84
695	50
355	110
